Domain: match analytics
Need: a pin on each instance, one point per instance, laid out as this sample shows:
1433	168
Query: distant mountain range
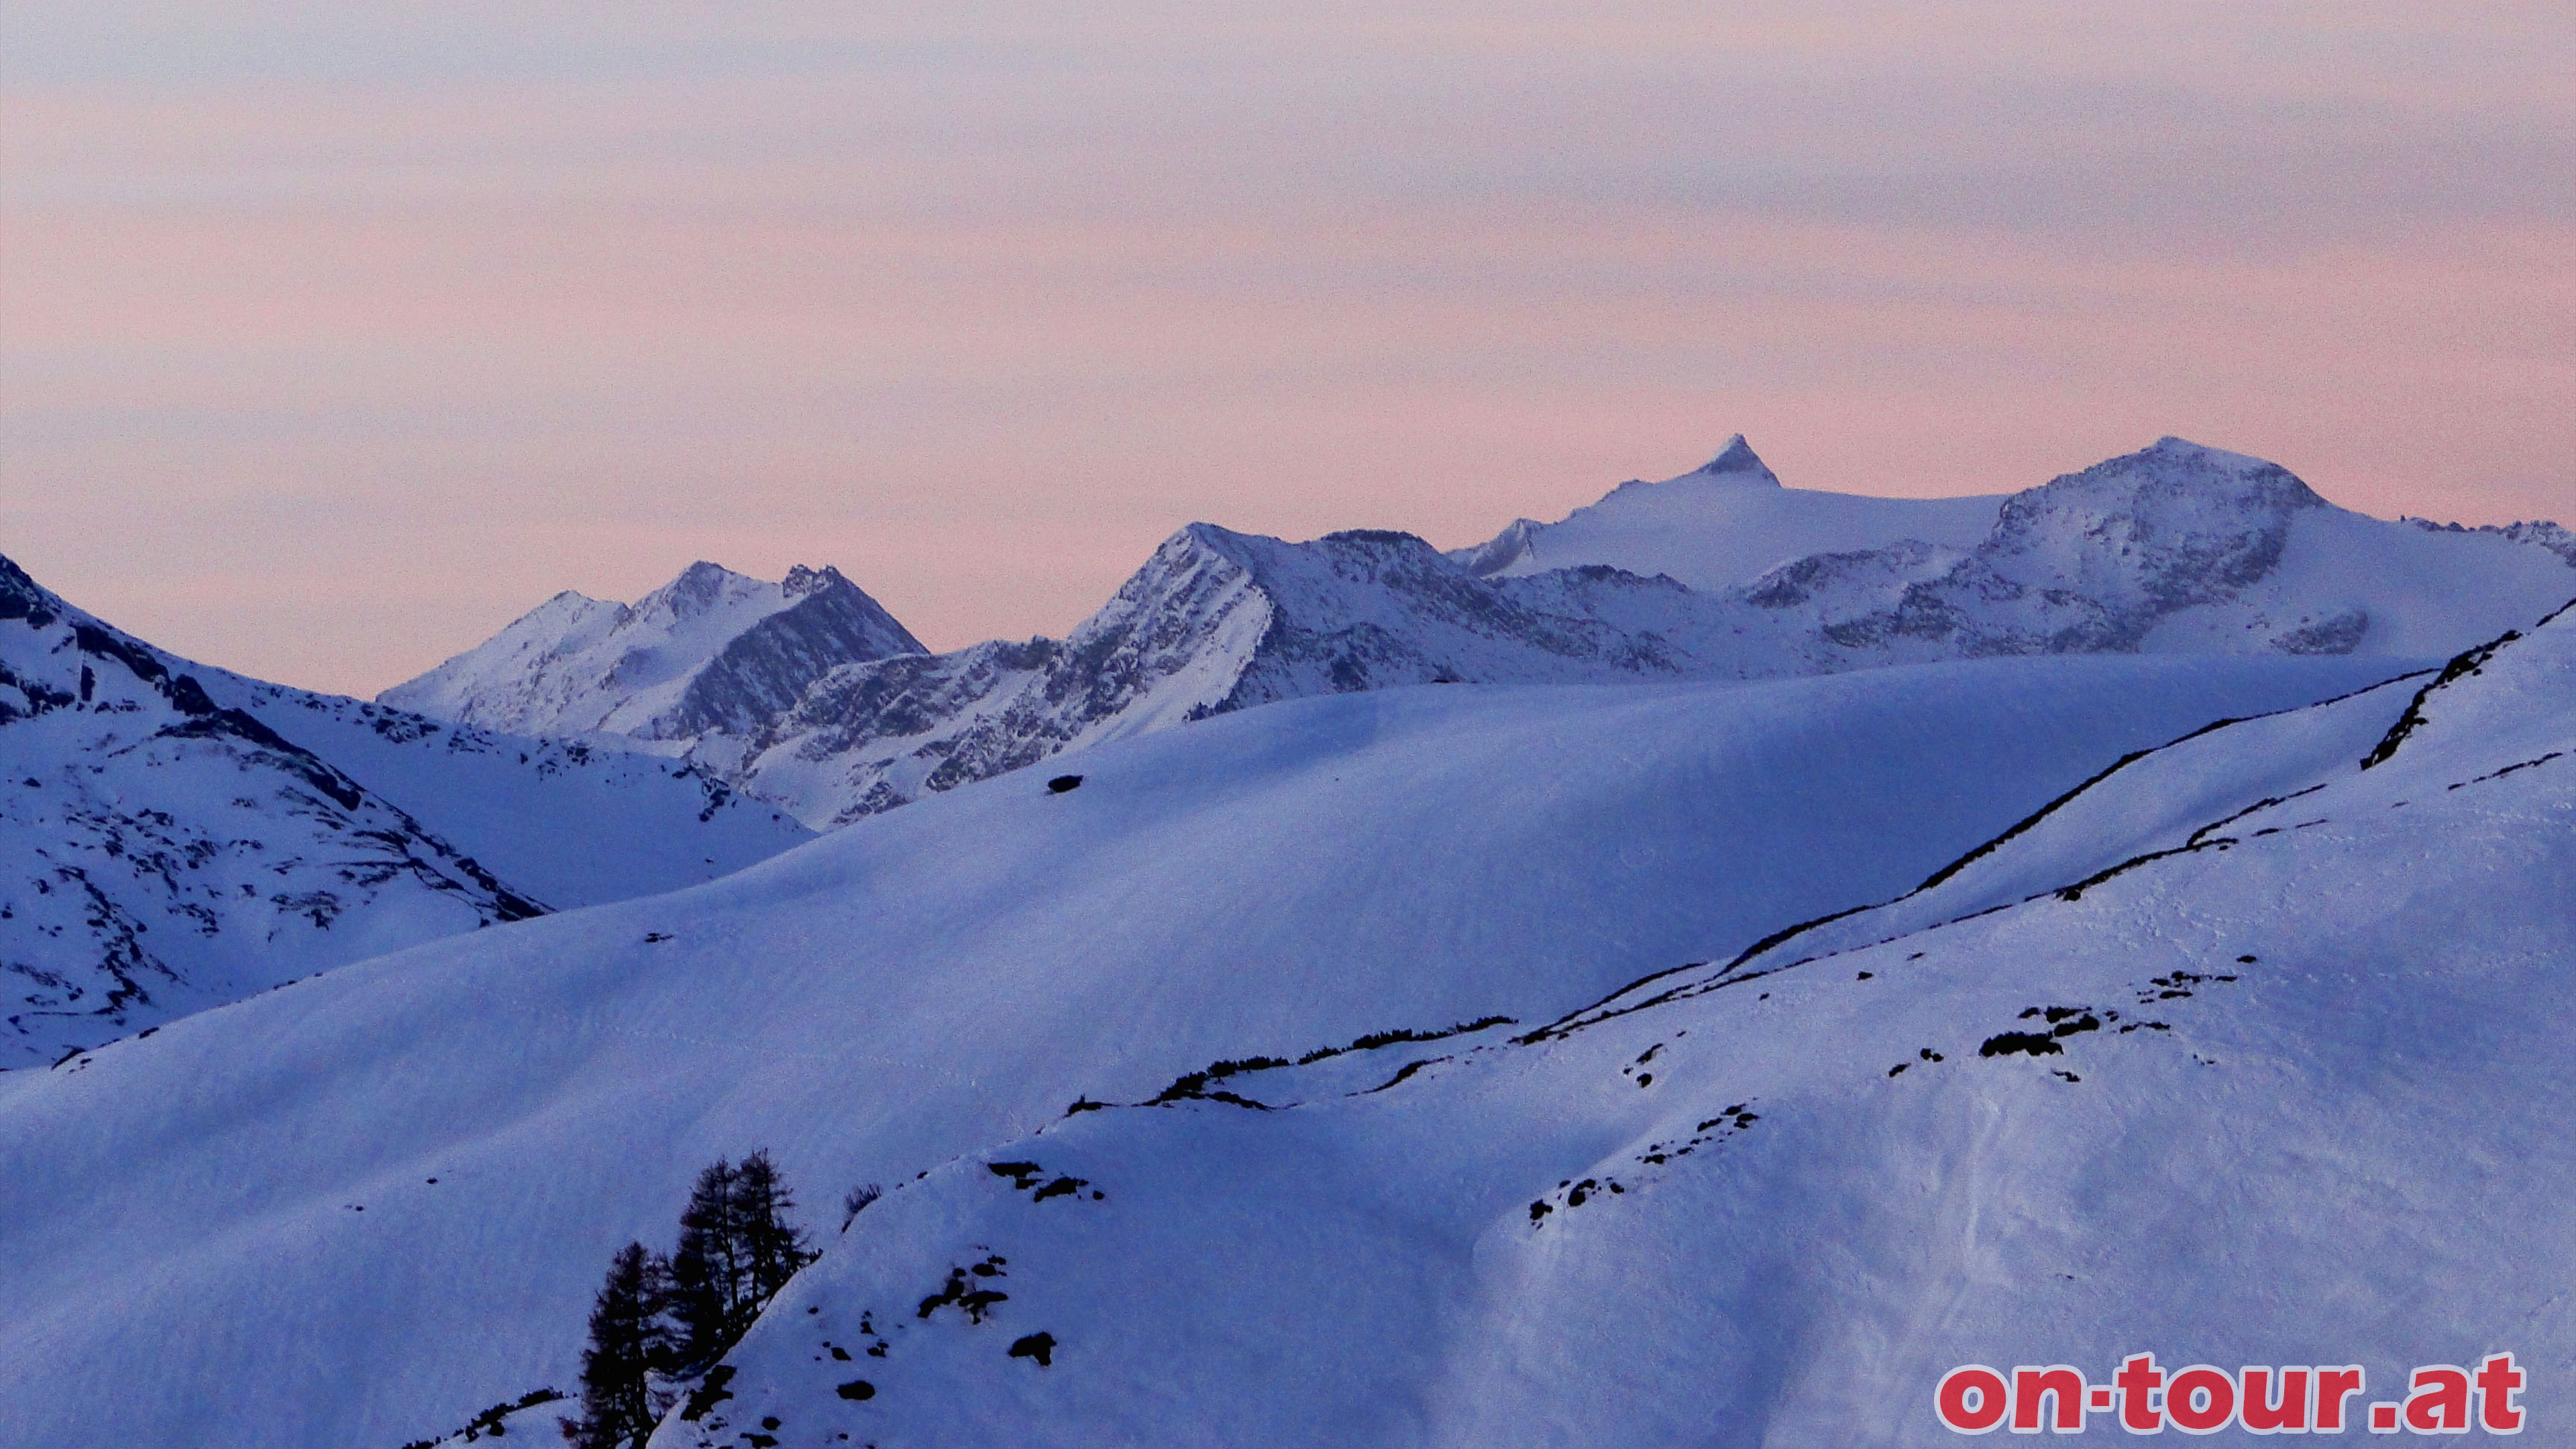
189	836
807	694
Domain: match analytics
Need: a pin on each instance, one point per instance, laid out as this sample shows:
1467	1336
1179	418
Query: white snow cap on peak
1738	461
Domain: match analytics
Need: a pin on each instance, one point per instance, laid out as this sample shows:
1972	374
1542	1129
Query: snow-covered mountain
179	837
1719	574
211	1236
710	651
1218	621
2185	549
1723	525
2177	548
2255	1051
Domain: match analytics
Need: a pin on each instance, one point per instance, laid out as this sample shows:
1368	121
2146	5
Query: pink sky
329	343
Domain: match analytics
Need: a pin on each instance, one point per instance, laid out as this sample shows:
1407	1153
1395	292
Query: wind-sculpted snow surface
178	837
2270	1068
227	1234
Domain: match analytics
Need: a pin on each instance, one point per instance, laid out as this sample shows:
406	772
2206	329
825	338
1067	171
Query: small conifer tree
774	1247
709	1277
627	1343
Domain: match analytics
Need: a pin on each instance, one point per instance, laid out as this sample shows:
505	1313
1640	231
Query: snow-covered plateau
1686	975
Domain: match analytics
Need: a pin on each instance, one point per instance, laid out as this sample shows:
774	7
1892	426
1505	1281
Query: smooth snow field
224	1234
2248	1054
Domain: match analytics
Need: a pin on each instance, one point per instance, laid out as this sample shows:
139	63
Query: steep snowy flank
1724	525
180	837
710	651
166	853
573	822
210	1236
2246	1054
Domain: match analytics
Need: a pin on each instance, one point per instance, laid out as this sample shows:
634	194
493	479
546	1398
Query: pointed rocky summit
1739	463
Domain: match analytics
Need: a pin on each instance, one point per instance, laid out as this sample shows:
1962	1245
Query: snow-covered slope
1723	525
573	822
177	837
2255	1052
709	651
219	1231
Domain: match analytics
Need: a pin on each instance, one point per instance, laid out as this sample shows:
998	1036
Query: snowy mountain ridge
710	651
2094	561
179	837
1934	950
1216	621
1722	525
2177	548
2556	538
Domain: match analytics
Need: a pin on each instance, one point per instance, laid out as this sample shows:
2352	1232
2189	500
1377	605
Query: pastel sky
334	336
